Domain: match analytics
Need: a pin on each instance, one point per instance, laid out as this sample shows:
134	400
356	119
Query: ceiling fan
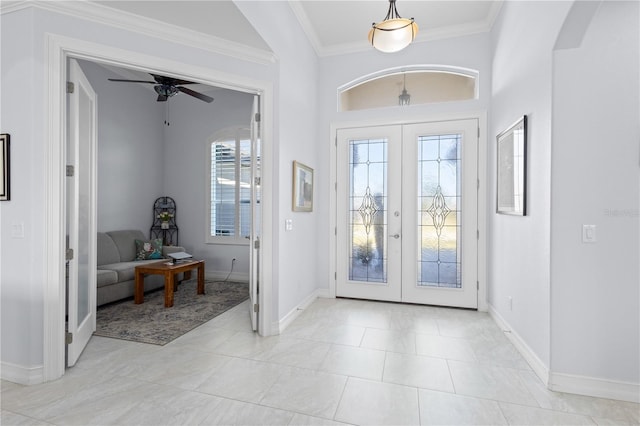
166	87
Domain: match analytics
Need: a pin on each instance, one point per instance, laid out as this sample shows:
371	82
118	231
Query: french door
81	212
407	198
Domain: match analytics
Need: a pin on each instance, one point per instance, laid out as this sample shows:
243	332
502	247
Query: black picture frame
511	148
5	167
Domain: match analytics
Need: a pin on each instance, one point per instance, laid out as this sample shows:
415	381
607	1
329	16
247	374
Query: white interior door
254	256
407	213
81	212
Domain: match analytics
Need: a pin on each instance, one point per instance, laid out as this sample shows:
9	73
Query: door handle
396	236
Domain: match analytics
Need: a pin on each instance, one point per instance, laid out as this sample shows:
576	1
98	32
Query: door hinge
256	307
70	87
478	183
256	244
69	254
335	186
478	131
477	285
478	234
71	171
257	117
335	231
256	181
68	338
335	276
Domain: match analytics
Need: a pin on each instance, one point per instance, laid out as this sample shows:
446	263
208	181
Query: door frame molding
57	50
414	118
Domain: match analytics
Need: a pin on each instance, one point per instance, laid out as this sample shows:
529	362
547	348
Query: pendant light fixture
404	98
394	33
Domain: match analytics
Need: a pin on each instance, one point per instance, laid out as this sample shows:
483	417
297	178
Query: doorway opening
60	51
407	213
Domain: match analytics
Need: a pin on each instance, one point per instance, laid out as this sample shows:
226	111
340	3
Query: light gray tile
521	415
444	347
229	412
305	391
304	420
356	362
340	334
242	379
490	382
8	418
418	371
296	352
390	340
246	345
368	402
437	408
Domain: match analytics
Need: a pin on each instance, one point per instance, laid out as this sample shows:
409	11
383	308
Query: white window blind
230	188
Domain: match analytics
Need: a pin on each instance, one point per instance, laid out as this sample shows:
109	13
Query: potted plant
164	219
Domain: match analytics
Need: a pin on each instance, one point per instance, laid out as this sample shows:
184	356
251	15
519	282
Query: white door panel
81	212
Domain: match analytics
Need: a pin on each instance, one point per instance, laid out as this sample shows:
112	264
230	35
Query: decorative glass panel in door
369	255
440	201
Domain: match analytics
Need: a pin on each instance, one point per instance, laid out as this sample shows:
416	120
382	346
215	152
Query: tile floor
341	361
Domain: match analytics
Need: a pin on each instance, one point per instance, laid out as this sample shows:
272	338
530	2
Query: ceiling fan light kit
394	33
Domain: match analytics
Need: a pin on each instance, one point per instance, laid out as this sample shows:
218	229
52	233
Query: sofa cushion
126	270
146	250
125	241
106	277
107	250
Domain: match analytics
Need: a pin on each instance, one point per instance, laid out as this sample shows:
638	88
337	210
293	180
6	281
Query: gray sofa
116	265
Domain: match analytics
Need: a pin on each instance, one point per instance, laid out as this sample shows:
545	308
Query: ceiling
333	27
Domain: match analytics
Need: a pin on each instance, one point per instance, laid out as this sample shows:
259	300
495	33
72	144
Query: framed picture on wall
512	169
302	188
5	174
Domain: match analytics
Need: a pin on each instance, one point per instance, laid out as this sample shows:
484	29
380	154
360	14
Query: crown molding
423	36
101	14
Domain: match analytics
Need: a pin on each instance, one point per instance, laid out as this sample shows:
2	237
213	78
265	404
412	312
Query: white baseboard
221	275
324	293
538	367
22	374
592	386
279	326
560	382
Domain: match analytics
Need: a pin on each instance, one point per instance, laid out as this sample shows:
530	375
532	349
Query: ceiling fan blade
195	94
162	98
132	81
170	81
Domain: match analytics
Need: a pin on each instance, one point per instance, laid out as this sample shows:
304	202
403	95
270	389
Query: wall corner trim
592	386
539	367
280	326
22	374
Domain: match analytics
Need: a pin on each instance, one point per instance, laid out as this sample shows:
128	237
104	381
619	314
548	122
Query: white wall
519	247
296	267
595	299
184	172
130	151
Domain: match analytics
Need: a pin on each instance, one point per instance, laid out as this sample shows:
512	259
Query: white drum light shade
394	33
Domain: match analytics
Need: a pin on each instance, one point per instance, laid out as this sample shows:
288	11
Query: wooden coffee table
169	271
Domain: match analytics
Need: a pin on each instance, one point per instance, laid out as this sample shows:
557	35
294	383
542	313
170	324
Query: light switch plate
589	233
288	225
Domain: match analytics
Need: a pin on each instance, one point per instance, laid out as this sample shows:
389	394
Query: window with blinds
230	188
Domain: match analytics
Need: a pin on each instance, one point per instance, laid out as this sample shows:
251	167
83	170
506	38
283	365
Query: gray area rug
151	322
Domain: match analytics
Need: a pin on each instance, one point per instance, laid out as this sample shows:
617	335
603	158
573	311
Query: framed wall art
512	169
302	188
5	162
